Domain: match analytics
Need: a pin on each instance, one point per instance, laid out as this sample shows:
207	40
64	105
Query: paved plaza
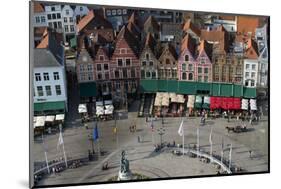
141	155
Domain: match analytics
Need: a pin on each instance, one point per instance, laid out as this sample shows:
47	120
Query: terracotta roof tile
150	42
207	47
216	36
152	22
188	43
252	49
38	7
85	20
130	39
40	31
46	35
189	25
247	24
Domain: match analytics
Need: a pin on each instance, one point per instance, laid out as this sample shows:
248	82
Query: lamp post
90	137
161	132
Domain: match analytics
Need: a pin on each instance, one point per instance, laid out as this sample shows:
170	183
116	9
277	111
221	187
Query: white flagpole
182	138
211	145
197	141
63	147
230	152
46	157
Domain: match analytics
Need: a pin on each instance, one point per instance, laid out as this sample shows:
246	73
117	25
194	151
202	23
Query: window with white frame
99	76
48	90
81	8
128	62
99	67
37	77
90	67
202	60
116	74
123	51
43	19
56	76
253	67
40	91
106	76
71	28
81	67
247	74
67	12
101	57
58	89
90	76
108	12
119	11
65	19
37	19
66	28
105	66
113	12
70	19
46	76
247	66
120	62
253	75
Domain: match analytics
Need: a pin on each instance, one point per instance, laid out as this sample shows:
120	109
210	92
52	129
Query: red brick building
124	64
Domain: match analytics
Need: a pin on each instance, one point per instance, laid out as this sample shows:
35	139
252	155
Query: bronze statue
124	163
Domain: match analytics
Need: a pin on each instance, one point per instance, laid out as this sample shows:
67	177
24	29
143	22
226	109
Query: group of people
133	128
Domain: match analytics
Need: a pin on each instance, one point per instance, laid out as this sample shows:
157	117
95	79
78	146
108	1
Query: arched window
184	76
186	58
190	76
167	61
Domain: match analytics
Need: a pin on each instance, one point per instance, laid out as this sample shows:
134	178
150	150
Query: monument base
124	176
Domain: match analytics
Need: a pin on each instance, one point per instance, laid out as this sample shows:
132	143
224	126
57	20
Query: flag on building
95	133
180	131
60	141
151	125
210	137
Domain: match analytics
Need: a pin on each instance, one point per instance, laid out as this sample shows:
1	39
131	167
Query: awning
244	104
253	104
50	118
190	101
59	117
49	106
88	89
108	109
82	108
40	121
99	110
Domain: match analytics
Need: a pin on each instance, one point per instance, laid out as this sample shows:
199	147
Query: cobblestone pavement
141	156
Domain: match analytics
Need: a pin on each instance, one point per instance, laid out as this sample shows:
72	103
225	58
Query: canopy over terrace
196	88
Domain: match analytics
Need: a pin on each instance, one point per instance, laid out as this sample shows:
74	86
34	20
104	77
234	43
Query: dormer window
84	58
147	56
202	60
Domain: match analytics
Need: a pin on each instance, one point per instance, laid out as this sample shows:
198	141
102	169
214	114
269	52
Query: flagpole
63	146
211	145
182	139
230	152
45	152
197	141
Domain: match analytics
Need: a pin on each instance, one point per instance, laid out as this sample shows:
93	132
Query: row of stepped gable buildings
115	61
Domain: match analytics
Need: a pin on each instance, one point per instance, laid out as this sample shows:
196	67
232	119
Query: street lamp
90	137
161	132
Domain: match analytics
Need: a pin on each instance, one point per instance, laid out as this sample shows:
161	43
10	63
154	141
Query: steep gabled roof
45	58
252	49
130	40
218	36
189	25
150	41
152	22
171	49
38	7
92	20
207	47
133	29
188	43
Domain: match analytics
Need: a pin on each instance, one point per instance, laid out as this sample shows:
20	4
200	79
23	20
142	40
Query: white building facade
261	38
69	22
81	11
39	17
49	83
54	16
250	76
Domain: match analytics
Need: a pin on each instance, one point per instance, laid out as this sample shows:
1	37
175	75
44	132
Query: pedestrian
174	143
250	153
138	139
54	170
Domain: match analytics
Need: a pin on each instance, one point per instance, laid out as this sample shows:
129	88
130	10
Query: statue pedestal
125	176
